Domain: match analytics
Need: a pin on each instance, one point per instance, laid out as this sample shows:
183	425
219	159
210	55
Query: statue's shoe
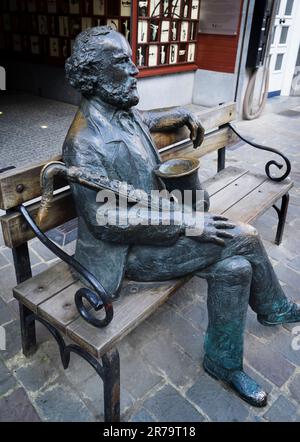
292	314
239	381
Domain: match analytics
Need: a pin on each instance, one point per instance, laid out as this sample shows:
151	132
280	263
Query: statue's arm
174	118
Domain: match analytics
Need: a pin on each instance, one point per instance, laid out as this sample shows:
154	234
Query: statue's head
101	65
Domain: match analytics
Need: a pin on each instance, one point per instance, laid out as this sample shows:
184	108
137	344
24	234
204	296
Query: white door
281	36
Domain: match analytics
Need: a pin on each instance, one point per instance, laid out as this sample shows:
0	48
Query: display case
162	33
45	30
166	32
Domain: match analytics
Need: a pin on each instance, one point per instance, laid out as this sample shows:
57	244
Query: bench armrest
98	299
269	163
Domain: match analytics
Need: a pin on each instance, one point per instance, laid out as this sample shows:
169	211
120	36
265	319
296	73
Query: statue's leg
229	284
267	297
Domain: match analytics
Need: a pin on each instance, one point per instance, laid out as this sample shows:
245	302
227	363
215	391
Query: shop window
166	33
162	33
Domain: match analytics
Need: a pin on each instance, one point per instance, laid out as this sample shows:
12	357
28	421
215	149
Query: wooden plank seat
234	192
49	297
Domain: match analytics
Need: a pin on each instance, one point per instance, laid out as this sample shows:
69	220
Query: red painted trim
134	22
218	52
151	72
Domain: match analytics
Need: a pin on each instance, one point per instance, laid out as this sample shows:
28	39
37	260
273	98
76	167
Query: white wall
212	88
166	90
292	51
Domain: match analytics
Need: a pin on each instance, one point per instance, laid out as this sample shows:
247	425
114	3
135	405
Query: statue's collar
106	109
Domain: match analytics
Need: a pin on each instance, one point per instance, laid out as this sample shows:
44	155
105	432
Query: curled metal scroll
98	299
271	162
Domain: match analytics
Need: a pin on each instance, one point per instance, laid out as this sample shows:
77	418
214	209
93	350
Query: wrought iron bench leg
282	212
27	323
111	382
109	370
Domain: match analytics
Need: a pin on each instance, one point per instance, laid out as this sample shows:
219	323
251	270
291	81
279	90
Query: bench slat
29	178
16	231
55	303
43	286
210	118
258	201
234	192
128	314
212	142
223	179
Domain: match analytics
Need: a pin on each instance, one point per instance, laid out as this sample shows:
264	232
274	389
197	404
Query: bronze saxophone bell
182	174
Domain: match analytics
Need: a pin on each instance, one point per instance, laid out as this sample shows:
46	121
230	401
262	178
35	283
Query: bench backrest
22	185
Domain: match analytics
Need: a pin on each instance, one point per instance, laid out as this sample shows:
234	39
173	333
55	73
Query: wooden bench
49	296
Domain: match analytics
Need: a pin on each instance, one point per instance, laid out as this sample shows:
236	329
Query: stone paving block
17	408
3	260
282	411
143	380
42	251
220	404
255	328
196	314
264	383
142	416
294	387
192	291
167	405
79	370
7	381
172	361
8	281
295	263
13	340
288	275
266	361
142	334
283	342
39	268
59	403
187	336
5	313
37	373
91	391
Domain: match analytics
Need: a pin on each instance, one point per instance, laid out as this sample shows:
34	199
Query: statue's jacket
103	140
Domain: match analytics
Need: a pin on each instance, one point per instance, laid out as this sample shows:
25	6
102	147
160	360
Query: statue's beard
124	96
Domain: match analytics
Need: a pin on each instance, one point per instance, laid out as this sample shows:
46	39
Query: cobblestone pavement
165	352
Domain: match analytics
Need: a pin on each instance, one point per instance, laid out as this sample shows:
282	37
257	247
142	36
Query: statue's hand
196	128
215	229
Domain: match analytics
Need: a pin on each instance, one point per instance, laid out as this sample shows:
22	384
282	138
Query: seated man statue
111	138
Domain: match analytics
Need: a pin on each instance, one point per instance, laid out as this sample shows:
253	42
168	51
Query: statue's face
116	75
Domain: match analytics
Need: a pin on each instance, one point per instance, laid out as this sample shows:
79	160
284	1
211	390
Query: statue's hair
80	65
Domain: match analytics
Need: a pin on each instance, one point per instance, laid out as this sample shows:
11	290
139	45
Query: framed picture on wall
98	7
152	55
31	6
86	22
54	47
35	44
113	23
74	6
51	6
43	24
63	26
125	8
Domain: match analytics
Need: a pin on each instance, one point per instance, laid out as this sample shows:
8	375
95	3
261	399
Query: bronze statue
110	138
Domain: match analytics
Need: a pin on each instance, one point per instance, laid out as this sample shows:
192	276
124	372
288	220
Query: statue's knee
236	268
